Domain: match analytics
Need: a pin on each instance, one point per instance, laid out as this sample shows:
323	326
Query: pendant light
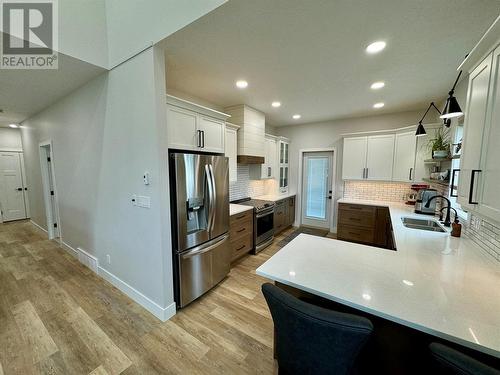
452	108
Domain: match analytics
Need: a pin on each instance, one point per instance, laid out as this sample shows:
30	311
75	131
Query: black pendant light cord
428	109
452	91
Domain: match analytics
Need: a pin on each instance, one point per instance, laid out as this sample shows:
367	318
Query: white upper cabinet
283	159
379	157
231	149
404	157
354	158
268	169
480	164
194	127
474	126
212	133
181	125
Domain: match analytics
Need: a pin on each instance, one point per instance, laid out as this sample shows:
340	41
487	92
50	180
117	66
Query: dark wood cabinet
370	225
284	214
241	233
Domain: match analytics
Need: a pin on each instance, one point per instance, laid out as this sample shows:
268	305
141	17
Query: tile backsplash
244	186
377	190
485	234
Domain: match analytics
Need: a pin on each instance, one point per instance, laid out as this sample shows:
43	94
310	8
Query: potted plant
440	145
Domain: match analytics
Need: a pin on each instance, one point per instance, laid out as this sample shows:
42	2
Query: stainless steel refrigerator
199	189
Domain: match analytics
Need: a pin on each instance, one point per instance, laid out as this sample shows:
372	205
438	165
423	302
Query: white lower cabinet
194	128
405	145
231	150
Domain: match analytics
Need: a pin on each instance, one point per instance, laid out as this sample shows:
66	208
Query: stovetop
257	203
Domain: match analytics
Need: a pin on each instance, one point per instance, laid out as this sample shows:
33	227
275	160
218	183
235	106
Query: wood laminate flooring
58	317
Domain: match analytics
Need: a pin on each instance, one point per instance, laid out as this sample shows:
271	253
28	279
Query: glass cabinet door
282	152
286	153
282	180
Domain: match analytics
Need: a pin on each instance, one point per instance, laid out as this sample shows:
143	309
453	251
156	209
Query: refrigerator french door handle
208	174
214	196
205	248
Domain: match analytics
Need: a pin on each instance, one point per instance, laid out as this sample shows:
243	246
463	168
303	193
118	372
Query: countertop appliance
199	193
263	222
423	196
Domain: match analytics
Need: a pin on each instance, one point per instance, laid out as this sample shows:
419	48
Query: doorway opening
13	190
49	190
317	189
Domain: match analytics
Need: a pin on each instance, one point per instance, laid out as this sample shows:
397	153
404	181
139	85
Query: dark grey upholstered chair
311	339
450	361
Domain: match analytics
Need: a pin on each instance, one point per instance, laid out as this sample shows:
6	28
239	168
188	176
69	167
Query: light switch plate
143	201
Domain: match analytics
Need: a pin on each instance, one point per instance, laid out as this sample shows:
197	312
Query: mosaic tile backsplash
377	190
485	234
245	187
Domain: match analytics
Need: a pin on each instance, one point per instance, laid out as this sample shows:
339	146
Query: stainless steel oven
264	227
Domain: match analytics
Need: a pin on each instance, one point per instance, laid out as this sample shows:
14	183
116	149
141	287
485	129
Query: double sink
422	224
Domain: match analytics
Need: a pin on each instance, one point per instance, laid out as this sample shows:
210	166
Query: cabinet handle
240	217
366	173
471	191
203	139
354	219
268	171
411	171
241	247
199	138
240	230
453	176
364	170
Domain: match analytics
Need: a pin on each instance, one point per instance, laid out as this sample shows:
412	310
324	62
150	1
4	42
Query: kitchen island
442	286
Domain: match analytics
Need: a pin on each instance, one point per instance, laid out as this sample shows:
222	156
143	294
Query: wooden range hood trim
249	159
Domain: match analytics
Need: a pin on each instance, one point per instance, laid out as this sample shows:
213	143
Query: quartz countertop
235	209
275	197
444	286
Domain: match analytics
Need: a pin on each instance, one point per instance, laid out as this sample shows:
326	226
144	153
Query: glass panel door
316	189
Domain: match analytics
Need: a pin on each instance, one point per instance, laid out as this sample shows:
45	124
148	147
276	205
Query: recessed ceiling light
296	117
13	126
408	282
375	47
377	85
366	296
241	84
276	104
378	105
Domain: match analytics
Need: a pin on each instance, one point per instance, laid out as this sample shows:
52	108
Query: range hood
251	135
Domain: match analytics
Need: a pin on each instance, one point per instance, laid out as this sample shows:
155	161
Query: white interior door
11	187
316	189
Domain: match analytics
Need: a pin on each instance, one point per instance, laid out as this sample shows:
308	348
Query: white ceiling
26	92
310	54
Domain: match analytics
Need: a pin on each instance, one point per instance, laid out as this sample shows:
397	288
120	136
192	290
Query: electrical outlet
108	258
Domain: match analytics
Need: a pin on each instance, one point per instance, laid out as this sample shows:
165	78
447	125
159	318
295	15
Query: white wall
83	30
105	135
10	139
134	25
328	134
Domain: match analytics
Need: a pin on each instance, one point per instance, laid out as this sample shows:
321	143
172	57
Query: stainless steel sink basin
422	224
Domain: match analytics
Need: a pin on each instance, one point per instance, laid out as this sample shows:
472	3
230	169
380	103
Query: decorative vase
439	154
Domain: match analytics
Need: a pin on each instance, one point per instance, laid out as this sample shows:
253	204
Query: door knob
329	197
19	189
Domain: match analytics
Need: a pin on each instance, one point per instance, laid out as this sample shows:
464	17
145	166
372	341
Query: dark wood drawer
241	246
357	218
356	234
357	208
242	216
241	229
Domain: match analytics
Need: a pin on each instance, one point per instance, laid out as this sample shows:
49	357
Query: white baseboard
69	249
38	226
162	313
88	260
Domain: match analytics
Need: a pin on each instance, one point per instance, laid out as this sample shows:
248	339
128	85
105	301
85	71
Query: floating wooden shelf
439	160
438	182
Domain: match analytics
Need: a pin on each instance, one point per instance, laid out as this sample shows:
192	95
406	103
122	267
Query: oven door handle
262	214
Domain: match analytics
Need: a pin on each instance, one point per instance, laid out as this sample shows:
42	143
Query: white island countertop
435	283
275	197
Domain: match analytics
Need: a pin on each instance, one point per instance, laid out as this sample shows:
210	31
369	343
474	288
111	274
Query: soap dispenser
456	228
